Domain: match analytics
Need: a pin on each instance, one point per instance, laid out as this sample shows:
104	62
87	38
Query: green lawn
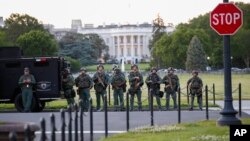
180	132
208	79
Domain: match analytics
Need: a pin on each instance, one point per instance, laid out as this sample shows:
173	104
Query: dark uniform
26	83
153	82
118	83
84	84
195	85
68	83
172	84
101	80
135	82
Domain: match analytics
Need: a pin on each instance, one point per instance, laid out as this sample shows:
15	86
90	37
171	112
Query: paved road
116	120
245	105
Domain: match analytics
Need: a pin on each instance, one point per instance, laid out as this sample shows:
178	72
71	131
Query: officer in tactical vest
118	82
135	81
172	84
84	84
68	83
101	80
195	85
26	82
153	82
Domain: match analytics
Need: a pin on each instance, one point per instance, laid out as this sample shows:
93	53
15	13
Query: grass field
180	132
208	79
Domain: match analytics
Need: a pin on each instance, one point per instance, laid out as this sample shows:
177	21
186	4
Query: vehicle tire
39	106
19	103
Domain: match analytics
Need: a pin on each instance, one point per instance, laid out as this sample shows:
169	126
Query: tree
37	43
17	25
74	64
3	39
87	48
158	32
196	58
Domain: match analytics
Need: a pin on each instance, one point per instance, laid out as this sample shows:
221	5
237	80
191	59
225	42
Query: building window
121	40
128	39
115	40
135	39
136	52
116	53
129	51
141	39
107	41
122	54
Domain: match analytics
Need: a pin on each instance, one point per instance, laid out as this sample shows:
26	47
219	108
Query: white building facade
128	43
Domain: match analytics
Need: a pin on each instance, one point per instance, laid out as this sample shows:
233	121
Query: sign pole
228	114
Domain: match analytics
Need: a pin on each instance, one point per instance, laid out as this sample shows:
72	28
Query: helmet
195	71
100	65
83	69
134	65
115	67
153	68
170	69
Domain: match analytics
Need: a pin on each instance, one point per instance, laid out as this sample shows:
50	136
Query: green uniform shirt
132	79
27	85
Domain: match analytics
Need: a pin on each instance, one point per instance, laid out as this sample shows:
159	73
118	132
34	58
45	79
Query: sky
60	13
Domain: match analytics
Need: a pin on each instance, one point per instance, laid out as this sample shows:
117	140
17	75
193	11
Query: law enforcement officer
172	84
153	82
84	84
135	82
26	82
68	83
195	85
118	83
101	80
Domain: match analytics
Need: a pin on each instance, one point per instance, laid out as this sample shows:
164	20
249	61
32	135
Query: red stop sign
226	18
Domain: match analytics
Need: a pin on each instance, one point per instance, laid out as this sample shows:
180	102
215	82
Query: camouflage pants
69	97
84	96
118	99
155	92
196	92
173	95
100	95
138	95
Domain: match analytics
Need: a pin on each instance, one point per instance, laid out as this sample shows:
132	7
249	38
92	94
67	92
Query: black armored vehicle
46	70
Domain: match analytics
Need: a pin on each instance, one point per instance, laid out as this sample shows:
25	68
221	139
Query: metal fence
78	119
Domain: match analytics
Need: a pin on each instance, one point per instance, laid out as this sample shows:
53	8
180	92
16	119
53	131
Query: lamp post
208	66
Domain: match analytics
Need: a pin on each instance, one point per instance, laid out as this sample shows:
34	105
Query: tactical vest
173	79
84	81
154	78
195	83
70	82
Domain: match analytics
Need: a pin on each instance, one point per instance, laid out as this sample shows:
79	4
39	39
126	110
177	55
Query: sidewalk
245	105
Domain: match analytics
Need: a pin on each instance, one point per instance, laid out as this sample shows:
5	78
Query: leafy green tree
158	32
3	39
87	48
37	43
18	24
196	58
75	64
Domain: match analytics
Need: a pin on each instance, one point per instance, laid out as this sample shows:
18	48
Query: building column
112	46
132	48
125	47
118	47
139	47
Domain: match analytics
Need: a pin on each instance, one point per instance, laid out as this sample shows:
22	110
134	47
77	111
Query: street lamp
208	66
